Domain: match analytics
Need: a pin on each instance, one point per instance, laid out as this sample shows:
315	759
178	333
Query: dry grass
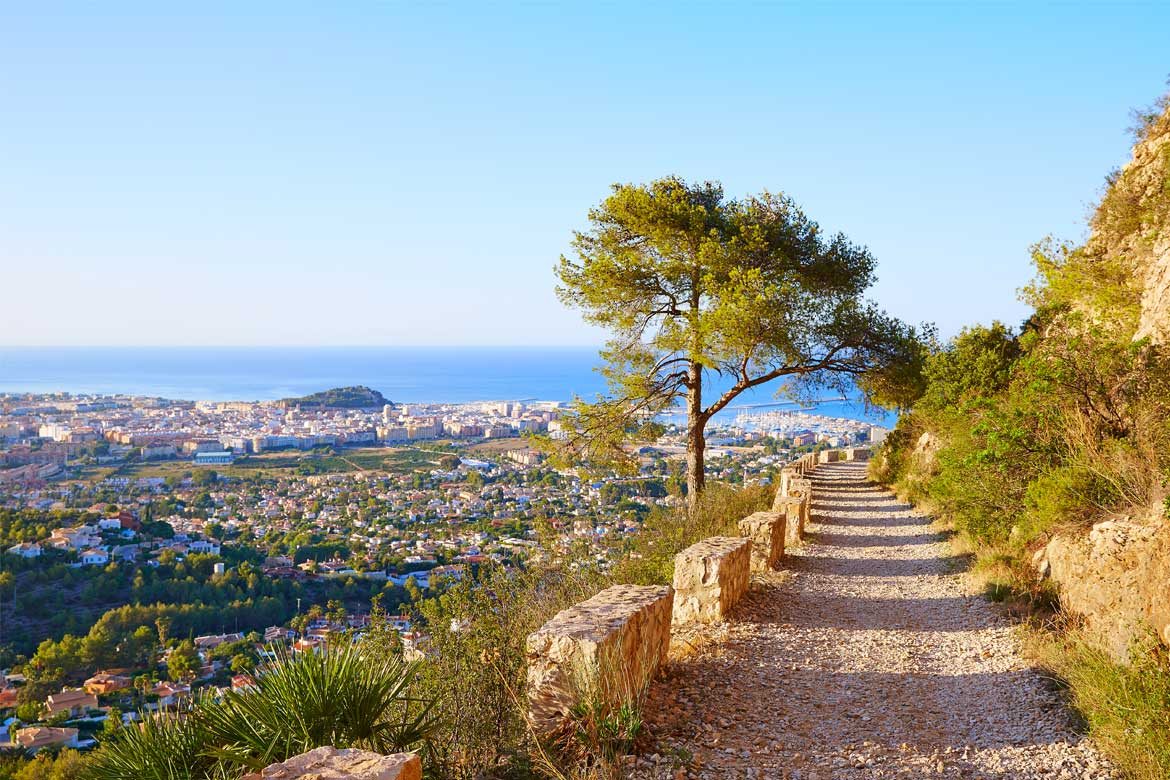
1127	708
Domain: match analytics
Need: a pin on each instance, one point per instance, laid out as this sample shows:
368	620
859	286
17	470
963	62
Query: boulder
710	577
608	645
329	763
766	530
1116	578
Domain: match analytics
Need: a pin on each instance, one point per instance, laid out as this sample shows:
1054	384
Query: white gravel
863	658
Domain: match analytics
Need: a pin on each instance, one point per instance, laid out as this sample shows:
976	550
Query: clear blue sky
394	173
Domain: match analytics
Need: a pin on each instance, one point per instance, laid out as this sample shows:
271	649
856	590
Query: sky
391	173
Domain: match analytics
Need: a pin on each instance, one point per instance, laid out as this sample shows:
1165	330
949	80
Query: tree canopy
692	284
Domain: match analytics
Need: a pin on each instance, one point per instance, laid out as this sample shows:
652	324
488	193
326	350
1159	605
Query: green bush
1127	708
344	697
650	561
476	664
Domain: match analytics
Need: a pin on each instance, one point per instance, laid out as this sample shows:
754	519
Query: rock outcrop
1116	578
1134	223
606	646
329	763
710	577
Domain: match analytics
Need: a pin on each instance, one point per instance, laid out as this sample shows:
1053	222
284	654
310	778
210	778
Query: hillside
1048	449
358	397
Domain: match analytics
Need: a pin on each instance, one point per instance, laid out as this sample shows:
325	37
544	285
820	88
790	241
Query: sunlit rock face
1144	184
328	763
606	646
710	577
1116	578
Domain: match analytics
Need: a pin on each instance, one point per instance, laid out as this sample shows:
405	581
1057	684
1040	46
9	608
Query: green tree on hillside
691	285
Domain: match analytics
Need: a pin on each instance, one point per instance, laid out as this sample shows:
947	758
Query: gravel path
864	658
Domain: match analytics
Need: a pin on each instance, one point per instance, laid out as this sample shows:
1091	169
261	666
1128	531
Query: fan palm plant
345	696
168	746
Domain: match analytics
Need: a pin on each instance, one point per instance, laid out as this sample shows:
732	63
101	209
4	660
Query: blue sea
402	374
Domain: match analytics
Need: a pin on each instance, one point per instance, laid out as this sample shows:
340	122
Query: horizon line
301	346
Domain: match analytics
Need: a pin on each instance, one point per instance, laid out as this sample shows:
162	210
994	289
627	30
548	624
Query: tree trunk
696	437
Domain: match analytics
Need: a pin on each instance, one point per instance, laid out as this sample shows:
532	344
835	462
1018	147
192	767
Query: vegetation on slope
462	707
1019	434
358	397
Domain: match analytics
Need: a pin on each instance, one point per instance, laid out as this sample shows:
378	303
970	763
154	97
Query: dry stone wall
608	646
710	577
766	531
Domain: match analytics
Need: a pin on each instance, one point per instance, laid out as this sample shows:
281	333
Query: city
290	518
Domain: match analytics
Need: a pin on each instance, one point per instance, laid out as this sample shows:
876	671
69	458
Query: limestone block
1115	578
710	577
802	489
829	456
609	644
793	510
766	530
787	474
857	453
329	763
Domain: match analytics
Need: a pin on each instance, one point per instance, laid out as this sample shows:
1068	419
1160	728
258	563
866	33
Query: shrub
344	697
476	665
1127	708
666	533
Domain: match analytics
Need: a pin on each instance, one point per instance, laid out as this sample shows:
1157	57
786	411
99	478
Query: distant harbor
432	375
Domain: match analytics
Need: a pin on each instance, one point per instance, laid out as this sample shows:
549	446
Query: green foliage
183	662
157	748
650	560
64	765
1127	708
345	697
358	397
475	669
688	281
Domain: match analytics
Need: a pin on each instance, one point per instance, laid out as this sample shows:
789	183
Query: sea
402	374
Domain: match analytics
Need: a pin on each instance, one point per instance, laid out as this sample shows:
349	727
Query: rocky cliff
1116	577
1132	224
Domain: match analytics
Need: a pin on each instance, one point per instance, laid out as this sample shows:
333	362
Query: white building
95	557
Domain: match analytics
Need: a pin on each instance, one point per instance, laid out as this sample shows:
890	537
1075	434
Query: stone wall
710	577
329	763
1116	578
793	509
611	643
766	530
787	474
